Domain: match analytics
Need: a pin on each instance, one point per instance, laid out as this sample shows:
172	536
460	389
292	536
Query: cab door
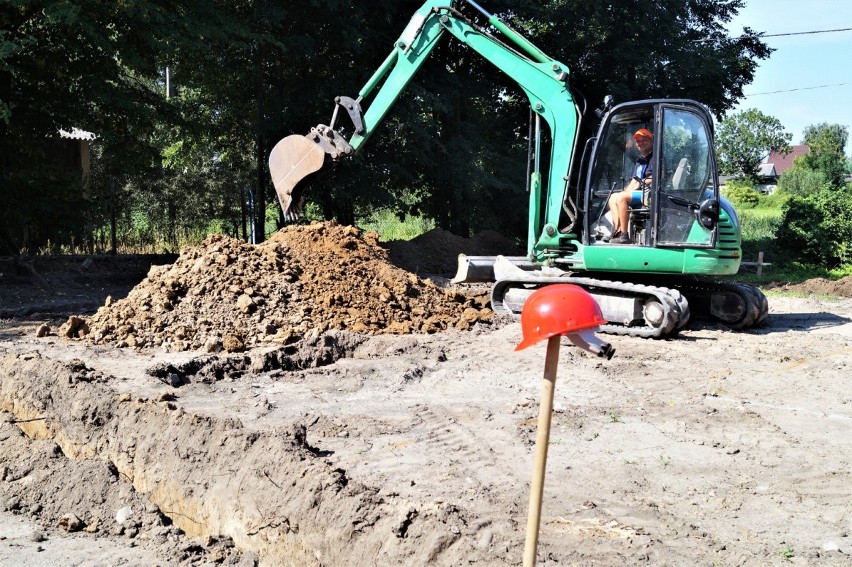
688	189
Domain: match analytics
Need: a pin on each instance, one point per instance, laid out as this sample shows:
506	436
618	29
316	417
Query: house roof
767	170
784	162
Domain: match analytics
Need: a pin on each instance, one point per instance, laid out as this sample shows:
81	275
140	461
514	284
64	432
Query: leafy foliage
827	143
92	65
632	51
745	138
802	181
244	73
759	227
817	228
742	194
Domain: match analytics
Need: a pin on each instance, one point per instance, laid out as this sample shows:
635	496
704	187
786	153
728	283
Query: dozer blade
480	269
291	160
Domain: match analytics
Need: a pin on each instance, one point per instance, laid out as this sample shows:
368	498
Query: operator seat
681	173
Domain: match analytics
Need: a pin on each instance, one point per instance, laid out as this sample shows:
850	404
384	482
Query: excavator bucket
291	160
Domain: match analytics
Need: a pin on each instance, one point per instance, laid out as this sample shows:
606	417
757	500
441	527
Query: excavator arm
543	79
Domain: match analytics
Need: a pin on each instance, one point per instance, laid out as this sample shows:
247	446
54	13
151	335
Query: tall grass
759	226
390	227
758	230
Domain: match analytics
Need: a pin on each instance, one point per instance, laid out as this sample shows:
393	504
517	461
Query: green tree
248	72
827	144
630	50
95	65
745	138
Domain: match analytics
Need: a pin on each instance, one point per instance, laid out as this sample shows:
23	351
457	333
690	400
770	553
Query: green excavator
682	237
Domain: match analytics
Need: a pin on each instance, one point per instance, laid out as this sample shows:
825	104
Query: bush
818	228
741	193
774	201
802	181
390	226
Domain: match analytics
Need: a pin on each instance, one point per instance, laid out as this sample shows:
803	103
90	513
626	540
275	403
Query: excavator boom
543	79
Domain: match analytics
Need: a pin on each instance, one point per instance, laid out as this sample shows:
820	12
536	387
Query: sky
801	65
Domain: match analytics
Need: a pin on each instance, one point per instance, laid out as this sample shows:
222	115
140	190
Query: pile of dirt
820	286
305	280
436	251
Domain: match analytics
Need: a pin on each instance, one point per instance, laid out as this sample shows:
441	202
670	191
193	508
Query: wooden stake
541	444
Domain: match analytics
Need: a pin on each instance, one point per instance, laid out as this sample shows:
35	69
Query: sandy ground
25	544
712	448
344	447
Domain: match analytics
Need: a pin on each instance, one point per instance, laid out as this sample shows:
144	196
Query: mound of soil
839	288
436	251
305	280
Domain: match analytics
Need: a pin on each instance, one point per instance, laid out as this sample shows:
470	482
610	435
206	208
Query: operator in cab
633	194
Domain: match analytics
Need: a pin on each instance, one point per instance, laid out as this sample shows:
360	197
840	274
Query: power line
806	32
798	89
763	36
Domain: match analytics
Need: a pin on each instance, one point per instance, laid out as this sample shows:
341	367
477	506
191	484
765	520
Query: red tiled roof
784	162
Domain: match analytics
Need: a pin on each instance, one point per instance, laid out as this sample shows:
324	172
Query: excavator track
736	305
631	309
637	307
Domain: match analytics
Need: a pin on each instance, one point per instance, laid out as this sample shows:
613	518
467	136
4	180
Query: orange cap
643	132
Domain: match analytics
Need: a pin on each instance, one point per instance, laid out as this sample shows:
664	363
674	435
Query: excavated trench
179	470
156	437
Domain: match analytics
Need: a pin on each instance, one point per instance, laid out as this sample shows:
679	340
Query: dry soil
312	401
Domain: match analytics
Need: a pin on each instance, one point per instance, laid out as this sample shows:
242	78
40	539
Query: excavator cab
679	206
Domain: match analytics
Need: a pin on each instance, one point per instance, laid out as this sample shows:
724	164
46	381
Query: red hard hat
558	309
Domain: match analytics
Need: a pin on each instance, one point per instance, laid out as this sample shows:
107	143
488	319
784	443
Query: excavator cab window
614	163
686	157
683	174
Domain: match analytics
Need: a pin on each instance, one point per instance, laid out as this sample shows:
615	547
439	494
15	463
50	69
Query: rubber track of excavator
755	305
675	306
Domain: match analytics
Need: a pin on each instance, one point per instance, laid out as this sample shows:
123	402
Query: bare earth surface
311	401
